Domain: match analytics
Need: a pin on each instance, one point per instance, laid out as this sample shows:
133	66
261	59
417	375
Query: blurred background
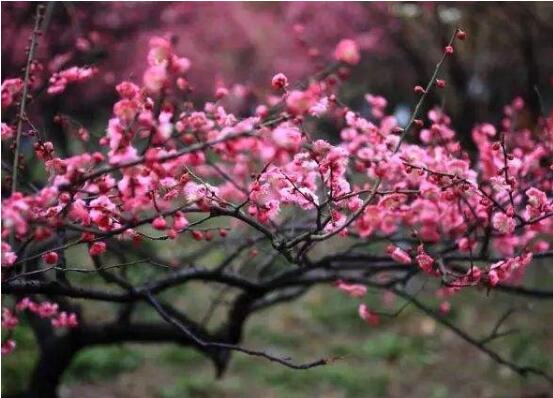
508	53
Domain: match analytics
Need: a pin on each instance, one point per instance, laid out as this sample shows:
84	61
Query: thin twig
26	81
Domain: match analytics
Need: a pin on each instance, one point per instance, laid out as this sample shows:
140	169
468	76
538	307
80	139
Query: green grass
17	367
101	363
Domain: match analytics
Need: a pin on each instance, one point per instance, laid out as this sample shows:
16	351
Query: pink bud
198	235
279	81
50	258
419	90
445	307
159	223
97	248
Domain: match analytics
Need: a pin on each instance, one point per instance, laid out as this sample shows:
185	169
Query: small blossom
65	320
287	136
155	78
299	102
425	261
503	223
398	254
46	309
127	90
368	316
10	89
8	256
8	346
9	319
279	81
493	278
60	80
7	132
353	290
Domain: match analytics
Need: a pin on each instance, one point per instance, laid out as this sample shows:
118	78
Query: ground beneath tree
407	356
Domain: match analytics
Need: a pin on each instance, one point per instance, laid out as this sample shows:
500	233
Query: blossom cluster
44	310
162	160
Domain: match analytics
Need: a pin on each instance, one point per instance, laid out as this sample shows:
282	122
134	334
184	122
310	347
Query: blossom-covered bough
283	211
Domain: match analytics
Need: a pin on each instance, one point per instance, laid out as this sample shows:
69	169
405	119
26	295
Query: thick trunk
55	357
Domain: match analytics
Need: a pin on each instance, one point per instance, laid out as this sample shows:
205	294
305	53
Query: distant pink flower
155	78
181	65
60	80
299	102
347	51
160	51
287	136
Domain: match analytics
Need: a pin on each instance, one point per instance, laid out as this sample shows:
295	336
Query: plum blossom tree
267	194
